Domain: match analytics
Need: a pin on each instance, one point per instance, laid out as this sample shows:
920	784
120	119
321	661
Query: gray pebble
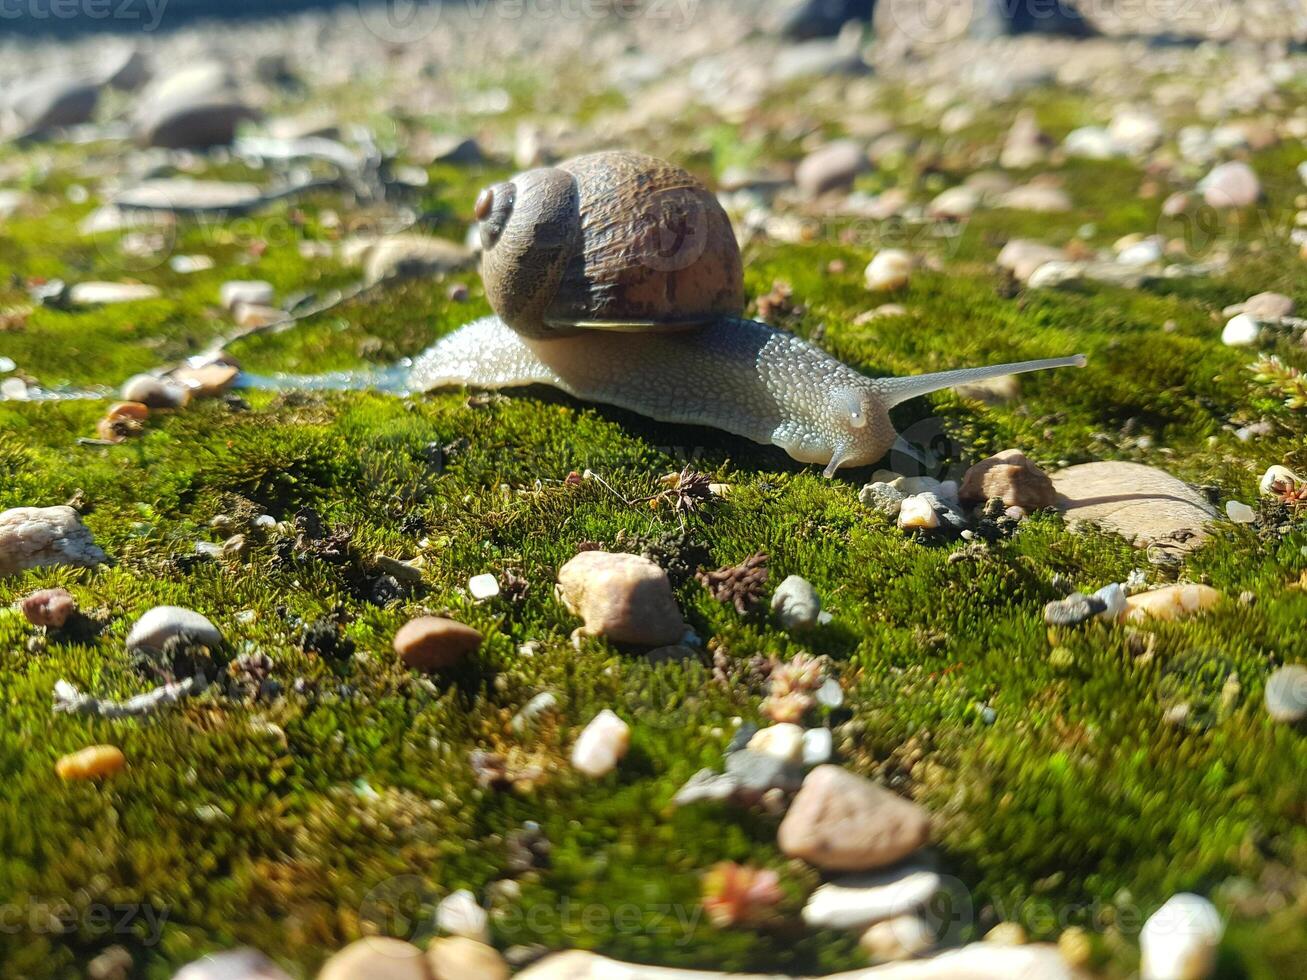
1286	694
162	623
882	497
1073	610
796	604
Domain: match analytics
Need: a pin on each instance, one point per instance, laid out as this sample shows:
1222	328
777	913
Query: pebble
1022	257
1114	602
460	958
842	822
1241	331
1239	512
92	762
1263	306
49	607
105	293
783	741
832	167
1179	941
955	203
1286	694
625	598
484	586
234	964
858	901
1090	142
38	537
818	746
459	914
255	292
899	938
376	958
1170	602
917	513
1075	609
601	745
1026	145
51	100
1140	503
1231	185
155	392
795	604
406	256
162	623
1007	934
206	380
430	643
1139	254
542	704
1012	478
882	497
754	773
1038	198
889	269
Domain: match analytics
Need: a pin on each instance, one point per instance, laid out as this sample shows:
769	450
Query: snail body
651	323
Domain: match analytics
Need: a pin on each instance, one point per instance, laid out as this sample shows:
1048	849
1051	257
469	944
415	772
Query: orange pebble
92	762
128	410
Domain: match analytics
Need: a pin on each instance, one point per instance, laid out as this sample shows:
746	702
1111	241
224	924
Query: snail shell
607	241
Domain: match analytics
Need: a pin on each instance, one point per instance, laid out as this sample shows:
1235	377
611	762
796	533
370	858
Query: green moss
1077	803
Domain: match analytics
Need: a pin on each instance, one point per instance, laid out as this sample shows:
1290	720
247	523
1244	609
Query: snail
616	278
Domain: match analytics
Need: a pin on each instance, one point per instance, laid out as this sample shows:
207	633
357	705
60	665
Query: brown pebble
49	607
92	762
433	642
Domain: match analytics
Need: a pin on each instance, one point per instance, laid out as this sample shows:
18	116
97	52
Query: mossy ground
1076	804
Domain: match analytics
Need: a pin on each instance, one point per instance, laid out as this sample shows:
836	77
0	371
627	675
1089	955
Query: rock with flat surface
979	961
1141	503
37	537
376	958
51	101
1012	478
857	901
830	168
842	822
162	623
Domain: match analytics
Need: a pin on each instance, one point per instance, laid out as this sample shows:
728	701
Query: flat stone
1012	478
1263	306
899	938
857	901
1286	694
153	392
162	623
979	961
184	194
842	822
376	958
625	598
234	964
430	643
754	773
783	741
255	291
1022	257
1039	198
52	101
460	914
955	203
38	537
1141	503
1075	609
105	293
460	958
406	256
830	168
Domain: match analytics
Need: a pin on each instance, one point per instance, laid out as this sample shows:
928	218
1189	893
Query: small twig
69	700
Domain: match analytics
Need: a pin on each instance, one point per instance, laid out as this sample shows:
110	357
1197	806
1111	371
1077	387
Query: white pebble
783	741
1239	512
899	938
458	914
817	746
890	269
1241	331
857	901
796	604
1115	599
1179	940
483	586
917	512
601	745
